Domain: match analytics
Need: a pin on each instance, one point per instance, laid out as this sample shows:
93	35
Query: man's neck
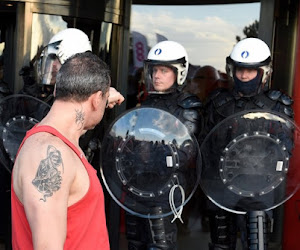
67	118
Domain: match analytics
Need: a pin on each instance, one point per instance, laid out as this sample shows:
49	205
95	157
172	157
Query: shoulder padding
187	101
277	95
220	97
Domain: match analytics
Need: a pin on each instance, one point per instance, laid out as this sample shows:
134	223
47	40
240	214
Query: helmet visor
49	66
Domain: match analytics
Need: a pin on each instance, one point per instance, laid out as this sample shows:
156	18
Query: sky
208	32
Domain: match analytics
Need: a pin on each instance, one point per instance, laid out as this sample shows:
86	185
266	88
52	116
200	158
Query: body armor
161	233
186	107
222	104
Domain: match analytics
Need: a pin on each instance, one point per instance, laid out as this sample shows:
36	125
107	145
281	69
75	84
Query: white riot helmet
61	47
251	53
170	54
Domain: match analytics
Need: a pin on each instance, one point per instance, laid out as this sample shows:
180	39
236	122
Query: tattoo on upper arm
79	117
48	178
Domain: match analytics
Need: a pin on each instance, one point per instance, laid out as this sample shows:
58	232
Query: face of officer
247	81
245	74
163	78
55	68
49	70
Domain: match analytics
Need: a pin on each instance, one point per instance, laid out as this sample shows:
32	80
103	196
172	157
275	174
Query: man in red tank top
57	199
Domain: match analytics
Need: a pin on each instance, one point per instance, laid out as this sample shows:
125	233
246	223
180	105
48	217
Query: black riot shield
248	161
18	114
149	160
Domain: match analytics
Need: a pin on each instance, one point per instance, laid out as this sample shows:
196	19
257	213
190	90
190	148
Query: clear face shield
48	66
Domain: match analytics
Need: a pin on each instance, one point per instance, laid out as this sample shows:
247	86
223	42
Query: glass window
105	42
1	58
208	32
45	26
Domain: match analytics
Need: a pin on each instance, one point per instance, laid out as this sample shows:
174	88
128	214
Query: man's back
63	174
57	199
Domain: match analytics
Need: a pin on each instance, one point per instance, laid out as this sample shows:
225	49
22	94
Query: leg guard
163	233
136	232
223	230
257	230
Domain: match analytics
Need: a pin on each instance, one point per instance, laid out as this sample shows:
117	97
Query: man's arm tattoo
79	117
48	178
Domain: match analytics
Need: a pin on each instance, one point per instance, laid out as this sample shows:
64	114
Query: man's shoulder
42	147
39	154
40	140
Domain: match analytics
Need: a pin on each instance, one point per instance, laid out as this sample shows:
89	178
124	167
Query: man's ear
54	91
96	98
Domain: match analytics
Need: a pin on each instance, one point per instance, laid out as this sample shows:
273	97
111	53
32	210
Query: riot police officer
249	66
61	46
165	72
40	77
41	84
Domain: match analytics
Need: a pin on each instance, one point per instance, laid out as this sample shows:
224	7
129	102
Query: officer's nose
156	74
245	74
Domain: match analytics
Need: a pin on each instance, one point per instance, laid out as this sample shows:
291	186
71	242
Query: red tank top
86	223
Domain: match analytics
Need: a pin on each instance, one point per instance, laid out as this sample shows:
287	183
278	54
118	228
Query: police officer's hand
25	71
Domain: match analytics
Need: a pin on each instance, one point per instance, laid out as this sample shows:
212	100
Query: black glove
27	73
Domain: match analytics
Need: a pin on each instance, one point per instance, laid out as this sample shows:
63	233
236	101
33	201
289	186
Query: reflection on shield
247	158
18	114
149	159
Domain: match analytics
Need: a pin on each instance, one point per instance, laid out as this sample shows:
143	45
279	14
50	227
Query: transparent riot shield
149	160
250	165
18	114
248	161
